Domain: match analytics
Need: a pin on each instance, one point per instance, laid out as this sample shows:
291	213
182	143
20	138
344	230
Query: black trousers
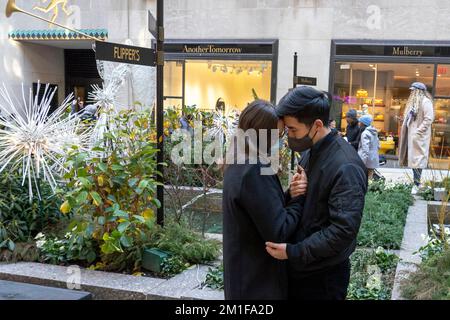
417	176
331	284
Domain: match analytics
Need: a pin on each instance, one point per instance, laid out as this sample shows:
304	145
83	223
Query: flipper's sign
115	52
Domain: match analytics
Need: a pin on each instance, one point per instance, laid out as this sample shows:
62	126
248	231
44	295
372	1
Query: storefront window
173	84
379	89
443	81
440	143
209	83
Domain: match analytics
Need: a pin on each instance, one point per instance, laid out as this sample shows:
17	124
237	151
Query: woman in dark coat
256	210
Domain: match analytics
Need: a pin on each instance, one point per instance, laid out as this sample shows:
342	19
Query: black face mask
302	144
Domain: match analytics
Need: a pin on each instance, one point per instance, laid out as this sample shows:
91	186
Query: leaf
11	245
156	202
123	226
148	214
132	182
82	172
103	167
65	207
140	218
101	220
96	197
85	182
126	241
82	197
91	256
143	184
117	167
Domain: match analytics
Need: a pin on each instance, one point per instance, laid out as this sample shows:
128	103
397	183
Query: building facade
366	53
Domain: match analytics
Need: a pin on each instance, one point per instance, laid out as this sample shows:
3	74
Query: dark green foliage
214	278
20	219
372	275
431	281
384	216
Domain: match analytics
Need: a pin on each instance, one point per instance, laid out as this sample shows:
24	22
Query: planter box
152	259
434	208
440	194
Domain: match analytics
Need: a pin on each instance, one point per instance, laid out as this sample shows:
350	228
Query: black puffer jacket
354	135
332	207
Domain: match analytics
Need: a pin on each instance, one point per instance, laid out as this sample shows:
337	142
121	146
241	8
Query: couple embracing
296	244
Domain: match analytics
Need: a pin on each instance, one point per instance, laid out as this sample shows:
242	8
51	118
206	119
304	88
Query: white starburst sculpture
34	140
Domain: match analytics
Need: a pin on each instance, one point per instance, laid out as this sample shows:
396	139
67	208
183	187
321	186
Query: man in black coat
318	254
353	131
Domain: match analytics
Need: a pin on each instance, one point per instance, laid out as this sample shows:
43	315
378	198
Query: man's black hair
306	104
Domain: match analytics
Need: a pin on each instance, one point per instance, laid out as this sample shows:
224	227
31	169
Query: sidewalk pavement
403	175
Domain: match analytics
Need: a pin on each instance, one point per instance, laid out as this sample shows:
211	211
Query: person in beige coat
415	137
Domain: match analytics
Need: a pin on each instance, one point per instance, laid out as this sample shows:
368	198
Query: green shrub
431	281
179	239
214	278
20	219
173	265
113	195
384	216
372	275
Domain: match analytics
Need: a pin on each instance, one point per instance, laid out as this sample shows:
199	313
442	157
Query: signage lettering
406	51
125	54
211	49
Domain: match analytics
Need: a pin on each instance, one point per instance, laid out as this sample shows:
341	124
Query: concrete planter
440	194
113	286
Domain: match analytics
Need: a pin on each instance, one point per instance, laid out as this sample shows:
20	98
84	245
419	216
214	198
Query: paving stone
102	285
23	291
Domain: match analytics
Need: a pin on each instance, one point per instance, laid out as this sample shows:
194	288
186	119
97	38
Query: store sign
114	52
306	81
407	51
392	51
211	49
218	48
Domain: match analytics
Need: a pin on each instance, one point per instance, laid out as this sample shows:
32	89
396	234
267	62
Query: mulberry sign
406	51
417	51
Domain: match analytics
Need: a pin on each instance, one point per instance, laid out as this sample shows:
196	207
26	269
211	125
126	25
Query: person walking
353	131
369	145
415	136
318	253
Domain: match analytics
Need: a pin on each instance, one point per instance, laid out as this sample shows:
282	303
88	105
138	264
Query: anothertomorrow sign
125	54
211	49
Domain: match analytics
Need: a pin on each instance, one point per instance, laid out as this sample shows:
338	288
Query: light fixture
371	65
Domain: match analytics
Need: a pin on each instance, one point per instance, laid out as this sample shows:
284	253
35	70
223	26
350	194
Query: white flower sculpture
35	141
113	76
224	126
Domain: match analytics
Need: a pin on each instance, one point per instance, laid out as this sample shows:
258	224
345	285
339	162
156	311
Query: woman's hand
277	250
299	184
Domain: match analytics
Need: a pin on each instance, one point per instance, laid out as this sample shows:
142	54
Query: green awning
56	34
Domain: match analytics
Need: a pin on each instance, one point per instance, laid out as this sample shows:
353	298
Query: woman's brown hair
259	115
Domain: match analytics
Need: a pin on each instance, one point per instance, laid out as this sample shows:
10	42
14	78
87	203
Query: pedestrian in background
353	131
415	137
369	145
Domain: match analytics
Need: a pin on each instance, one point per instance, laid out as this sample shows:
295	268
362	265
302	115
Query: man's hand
277	250
299	184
